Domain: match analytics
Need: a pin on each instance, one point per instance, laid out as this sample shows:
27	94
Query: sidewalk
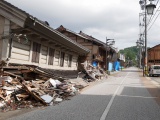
156	83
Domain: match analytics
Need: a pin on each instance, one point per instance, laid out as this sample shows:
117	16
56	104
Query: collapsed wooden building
37	61
31	53
101	54
27	40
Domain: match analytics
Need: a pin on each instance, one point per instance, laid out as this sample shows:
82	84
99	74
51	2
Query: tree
130	54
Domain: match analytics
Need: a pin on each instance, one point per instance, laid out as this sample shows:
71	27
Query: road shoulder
152	87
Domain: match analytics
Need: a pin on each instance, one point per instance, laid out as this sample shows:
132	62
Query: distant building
154	55
122	57
122	60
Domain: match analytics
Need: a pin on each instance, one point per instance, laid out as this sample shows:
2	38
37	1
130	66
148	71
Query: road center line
105	113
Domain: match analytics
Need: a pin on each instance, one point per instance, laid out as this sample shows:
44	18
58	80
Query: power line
154	14
152	17
153	22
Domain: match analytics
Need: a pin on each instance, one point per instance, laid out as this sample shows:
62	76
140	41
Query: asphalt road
156	79
122	96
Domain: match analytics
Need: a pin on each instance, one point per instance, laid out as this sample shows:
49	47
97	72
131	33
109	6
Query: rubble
93	73
26	86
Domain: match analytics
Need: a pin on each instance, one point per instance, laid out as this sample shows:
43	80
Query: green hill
130	53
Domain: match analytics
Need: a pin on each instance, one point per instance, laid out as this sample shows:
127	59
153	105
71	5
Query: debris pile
27	87
93	73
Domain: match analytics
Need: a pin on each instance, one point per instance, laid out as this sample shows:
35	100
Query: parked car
154	70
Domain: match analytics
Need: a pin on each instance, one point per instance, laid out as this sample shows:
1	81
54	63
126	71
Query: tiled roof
62	28
92	38
81	34
45	25
85	36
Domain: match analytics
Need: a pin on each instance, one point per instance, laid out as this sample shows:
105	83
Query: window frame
62	57
36	52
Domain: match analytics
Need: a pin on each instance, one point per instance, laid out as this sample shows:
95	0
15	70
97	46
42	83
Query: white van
154	70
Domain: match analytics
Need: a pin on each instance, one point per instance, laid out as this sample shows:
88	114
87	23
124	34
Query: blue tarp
110	66
94	63
116	66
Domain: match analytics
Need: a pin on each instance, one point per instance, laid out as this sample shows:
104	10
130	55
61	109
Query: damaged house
27	40
36	61
97	56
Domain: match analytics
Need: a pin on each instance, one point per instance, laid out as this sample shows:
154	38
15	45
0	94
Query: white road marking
137	96
105	113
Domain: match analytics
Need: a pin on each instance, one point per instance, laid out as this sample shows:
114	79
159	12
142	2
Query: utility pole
145	37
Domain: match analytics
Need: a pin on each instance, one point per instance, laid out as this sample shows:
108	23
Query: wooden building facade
25	39
97	48
154	55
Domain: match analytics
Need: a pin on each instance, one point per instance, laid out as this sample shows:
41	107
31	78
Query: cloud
118	19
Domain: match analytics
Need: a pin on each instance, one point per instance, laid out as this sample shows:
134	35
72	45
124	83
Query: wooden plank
43	61
16	40
44	57
89	47
20	51
95	49
56	63
57	55
44	53
34	95
80	40
21	46
74	60
65	63
17	56
74	65
57	52
66	57
44	48
11	74
56	60
85	43
13	60
73	37
75	57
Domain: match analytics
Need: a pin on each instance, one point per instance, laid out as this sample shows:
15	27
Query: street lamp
148	9
109	42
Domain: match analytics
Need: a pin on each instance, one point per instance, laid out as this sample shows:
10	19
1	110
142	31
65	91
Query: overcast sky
114	19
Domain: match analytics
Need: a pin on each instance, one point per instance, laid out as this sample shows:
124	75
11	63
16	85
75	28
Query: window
36	52
62	59
69	60
156	67
51	56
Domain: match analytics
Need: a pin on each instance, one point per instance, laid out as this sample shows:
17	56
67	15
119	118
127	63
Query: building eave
46	30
